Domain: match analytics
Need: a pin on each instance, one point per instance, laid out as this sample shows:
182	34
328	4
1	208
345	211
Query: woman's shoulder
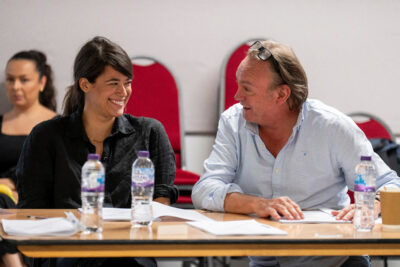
142	122
54	124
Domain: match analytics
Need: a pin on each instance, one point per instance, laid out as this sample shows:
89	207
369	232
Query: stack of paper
243	227
52	226
316	216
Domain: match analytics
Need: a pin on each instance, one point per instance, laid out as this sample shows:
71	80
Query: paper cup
390	209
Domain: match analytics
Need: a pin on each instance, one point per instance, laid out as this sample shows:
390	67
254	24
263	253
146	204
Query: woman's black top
10	149
49	169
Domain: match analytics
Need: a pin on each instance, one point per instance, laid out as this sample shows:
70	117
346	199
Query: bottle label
363	188
94	183
143	177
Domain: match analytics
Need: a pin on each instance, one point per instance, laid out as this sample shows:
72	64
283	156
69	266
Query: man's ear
84	84
283	93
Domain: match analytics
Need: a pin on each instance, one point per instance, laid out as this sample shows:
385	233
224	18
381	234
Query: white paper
316	216
116	214
53	226
243	227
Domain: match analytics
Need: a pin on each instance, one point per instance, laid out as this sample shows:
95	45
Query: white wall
349	48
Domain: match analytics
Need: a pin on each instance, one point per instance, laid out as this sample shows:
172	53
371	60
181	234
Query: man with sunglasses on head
278	153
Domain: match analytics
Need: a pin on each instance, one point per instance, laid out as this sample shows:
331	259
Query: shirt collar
252	127
122	125
300	119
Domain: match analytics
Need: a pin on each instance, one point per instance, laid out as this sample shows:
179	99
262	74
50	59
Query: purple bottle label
143	177
98	189
94	182
143	184
363	188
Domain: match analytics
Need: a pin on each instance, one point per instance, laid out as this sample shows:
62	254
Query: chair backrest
227	84
155	94
372	126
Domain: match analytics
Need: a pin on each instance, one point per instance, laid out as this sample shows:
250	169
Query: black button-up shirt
49	169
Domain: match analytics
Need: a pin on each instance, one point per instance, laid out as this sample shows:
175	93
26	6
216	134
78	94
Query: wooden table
174	238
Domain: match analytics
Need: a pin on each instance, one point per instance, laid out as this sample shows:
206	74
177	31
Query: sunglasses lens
264	54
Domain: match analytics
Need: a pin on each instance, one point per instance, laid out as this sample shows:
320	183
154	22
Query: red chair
227	84
373	127
155	94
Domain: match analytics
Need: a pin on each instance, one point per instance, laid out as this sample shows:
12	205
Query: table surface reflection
172	237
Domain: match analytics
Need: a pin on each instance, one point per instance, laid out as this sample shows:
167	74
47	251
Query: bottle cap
143	153
365	157
93	157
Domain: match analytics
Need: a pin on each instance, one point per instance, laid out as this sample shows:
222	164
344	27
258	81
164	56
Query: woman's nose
16	84
122	90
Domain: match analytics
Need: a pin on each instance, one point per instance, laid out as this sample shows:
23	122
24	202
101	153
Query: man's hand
276	208
347	213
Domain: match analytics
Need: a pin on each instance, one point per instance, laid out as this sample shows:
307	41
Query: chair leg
385	261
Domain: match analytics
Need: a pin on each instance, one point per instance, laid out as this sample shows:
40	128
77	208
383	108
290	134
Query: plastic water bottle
142	190
92	194
364	195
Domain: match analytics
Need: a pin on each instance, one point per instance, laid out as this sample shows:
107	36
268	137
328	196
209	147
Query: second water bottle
364	195
142	190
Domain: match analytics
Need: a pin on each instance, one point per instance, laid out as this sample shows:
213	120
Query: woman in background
30	89
93	121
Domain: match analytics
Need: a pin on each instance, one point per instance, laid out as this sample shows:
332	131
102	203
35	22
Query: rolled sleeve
163	158
220	170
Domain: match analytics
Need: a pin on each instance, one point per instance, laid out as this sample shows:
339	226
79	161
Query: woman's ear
42	83
84	84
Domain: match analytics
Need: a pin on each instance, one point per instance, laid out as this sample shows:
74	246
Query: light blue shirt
314	168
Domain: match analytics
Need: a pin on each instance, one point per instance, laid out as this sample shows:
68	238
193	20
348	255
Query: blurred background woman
30	90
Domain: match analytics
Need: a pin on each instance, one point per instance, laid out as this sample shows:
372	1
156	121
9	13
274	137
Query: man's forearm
239	203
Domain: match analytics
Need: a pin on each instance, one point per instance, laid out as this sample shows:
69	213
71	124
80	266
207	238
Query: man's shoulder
318	112
233	117
233	112
318	108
